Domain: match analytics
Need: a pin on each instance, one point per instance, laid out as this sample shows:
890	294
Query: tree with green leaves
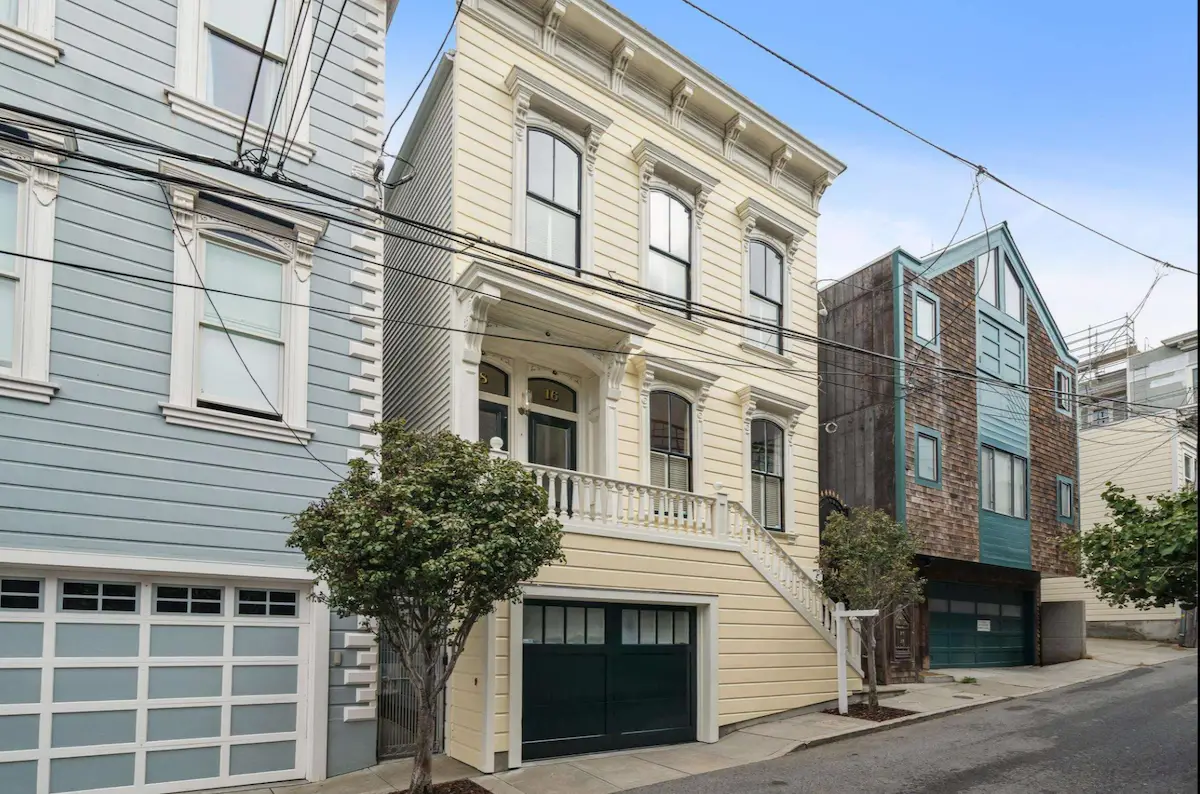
1145	555
867	561
425	547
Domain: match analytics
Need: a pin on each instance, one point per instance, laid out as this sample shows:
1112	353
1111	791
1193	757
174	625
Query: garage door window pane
273	603
988	609
183	600
629	627
963	607
533	625
681	628
666	627
99	597
20	593
649	627
576	625
595	626
1010	610
939	605
553	626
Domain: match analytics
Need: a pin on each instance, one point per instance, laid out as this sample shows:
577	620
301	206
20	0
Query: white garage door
149	684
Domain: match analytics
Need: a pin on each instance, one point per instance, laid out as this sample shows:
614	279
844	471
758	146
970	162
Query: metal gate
397	714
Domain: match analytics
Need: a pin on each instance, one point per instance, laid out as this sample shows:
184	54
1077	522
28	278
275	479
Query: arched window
493	404
670	441
670	266
766	473
766	295
552	199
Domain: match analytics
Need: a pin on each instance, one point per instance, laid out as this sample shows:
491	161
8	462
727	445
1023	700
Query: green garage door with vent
606	676
979	626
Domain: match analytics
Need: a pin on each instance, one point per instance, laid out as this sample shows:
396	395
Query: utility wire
281	94
312	88
647	296
433	62
229	336
977	167
262	54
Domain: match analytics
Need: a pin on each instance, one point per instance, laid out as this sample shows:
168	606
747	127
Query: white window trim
707	666
37	197
658	169
33	34
538	104
690	383
187	310
762	224
187	97
1185	449
761	404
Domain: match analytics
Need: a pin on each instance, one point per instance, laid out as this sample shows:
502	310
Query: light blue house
155	633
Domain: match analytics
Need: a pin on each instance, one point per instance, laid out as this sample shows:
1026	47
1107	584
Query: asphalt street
1131	732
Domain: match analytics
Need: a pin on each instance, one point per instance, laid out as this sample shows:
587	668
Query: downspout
898	432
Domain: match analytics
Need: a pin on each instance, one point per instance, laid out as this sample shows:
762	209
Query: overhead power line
977	167
297	110
262	54
642	295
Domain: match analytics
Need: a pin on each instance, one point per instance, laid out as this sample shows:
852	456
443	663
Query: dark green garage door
606	676
978	626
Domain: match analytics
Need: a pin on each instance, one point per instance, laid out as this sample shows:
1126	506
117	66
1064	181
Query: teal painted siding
1004	540
98	469
1003	418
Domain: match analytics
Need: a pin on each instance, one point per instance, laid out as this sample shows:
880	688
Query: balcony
592	504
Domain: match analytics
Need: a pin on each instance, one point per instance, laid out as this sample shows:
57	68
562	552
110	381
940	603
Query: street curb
898	723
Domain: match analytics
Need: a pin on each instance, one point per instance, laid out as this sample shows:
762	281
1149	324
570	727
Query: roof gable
1000	236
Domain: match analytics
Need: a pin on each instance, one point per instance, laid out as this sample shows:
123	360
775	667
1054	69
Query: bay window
1003	483
552	211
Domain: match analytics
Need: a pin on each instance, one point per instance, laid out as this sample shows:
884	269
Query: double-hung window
231	75
241	338
765	302
1003	483
493	404
27	27
670	441
766	473
670	264
28	197
239	347
1065	499
234	34
552	210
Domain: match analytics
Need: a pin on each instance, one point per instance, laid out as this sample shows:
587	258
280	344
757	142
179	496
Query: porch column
466	351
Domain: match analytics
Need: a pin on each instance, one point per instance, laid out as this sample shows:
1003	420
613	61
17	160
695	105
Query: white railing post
840	636
721	515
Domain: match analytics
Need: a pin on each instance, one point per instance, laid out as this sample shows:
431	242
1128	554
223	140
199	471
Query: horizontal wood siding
1140	456
416	375
483	206
98	469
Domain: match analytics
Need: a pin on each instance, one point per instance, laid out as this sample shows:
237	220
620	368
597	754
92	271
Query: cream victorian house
644	209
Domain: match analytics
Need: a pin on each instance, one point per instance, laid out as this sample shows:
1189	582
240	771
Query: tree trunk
872	672
422	772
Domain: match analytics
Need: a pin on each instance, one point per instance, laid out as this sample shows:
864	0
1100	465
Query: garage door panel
186	692
992	633
637	688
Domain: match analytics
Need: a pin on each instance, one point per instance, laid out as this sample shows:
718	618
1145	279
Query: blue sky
1090	107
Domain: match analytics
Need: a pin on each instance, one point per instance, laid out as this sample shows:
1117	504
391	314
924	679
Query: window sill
927	483
693	326
224	121
778	358
45	50
35	391
251	426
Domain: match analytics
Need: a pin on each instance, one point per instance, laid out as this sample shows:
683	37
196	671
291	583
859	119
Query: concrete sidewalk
605	773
